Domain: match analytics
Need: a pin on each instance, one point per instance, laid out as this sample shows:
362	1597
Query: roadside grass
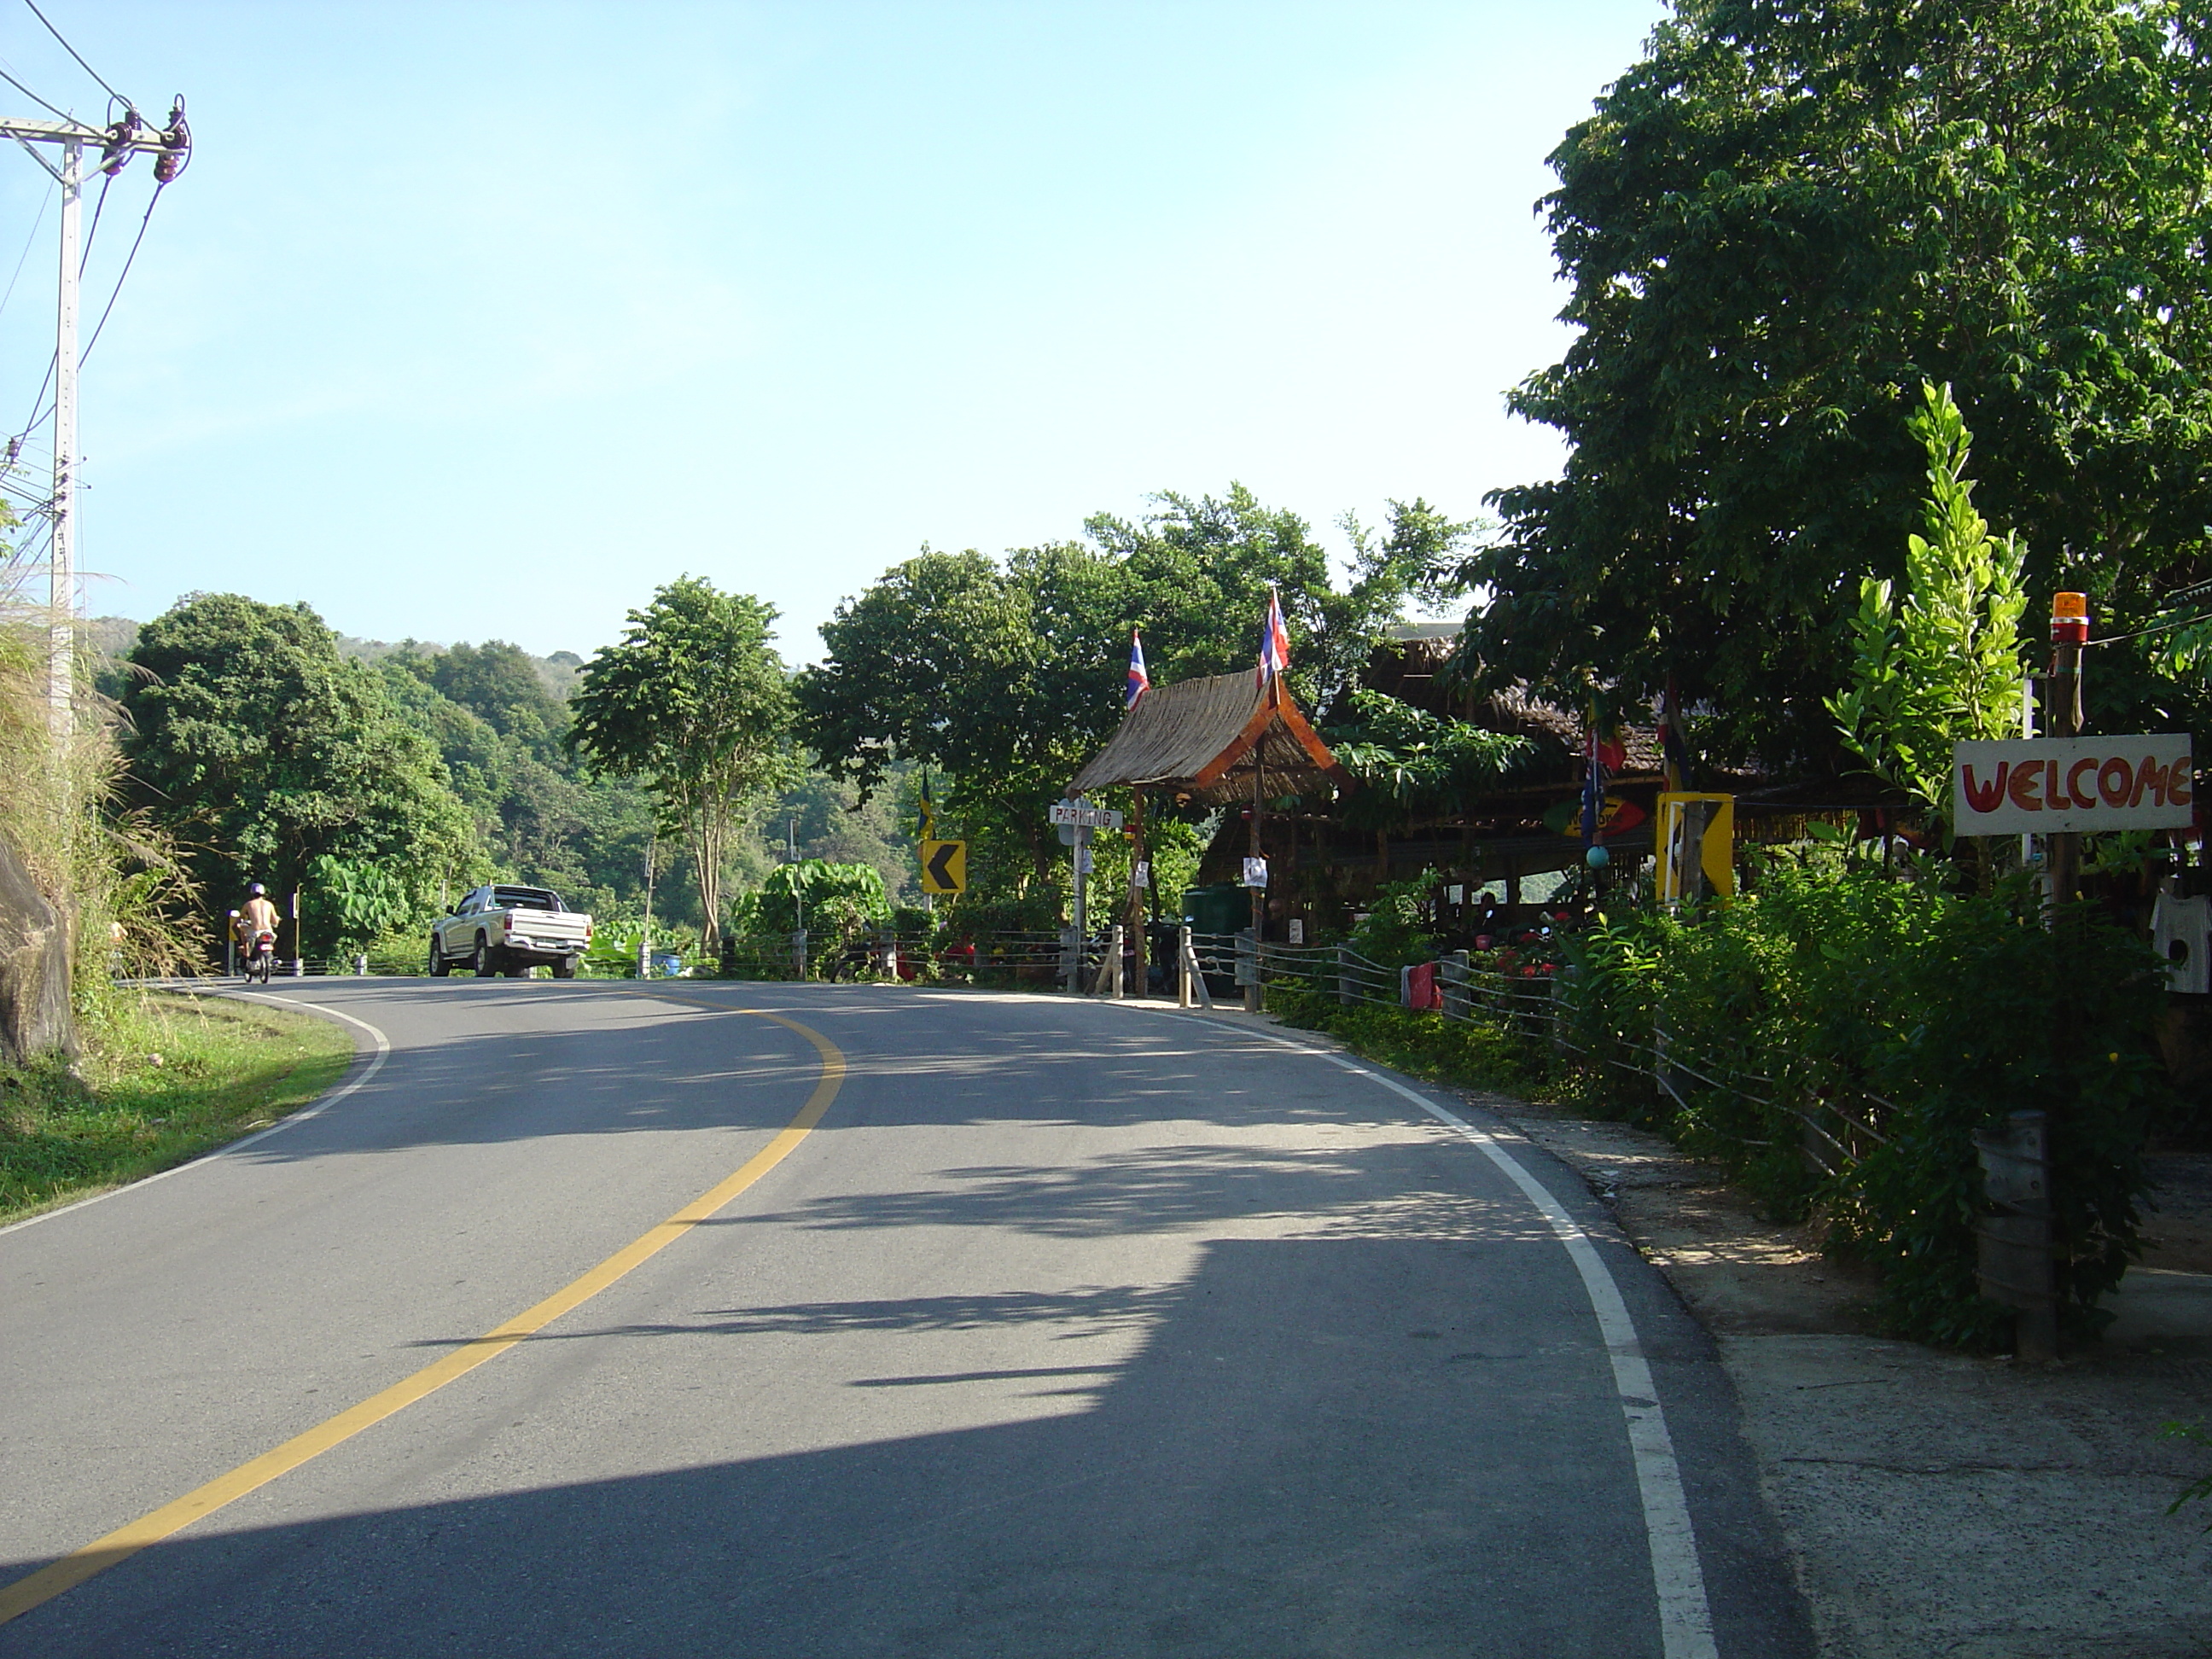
163	1079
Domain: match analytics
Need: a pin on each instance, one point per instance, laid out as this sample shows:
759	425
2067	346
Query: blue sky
477	321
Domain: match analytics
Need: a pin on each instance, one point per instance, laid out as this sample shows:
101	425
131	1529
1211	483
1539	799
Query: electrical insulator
116	156
176	145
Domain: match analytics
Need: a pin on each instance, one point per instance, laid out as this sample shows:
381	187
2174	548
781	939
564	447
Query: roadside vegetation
1807	249
1894	1014
163	1078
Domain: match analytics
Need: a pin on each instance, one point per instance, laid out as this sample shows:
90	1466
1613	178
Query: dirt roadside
1937	1505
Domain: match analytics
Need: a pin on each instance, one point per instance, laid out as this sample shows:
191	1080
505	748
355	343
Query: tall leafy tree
544	822
1777	226
1008	674
264	751
694	701
500	685
942	662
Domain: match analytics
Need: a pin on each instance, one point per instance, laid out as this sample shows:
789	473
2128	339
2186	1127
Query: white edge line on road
1686	1621
331	1098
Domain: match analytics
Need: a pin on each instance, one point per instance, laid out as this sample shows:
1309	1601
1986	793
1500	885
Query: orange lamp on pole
2070	619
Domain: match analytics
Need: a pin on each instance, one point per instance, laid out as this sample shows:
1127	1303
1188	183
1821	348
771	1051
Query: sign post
1081	818
1696	843
2070	632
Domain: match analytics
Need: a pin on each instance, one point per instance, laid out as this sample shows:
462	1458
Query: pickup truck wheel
438	966
480	959
565	968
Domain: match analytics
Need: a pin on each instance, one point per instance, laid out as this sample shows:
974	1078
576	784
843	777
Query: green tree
835	901
694	701
1414	764
545	821
1943	666
500	685
1007	675
1777	226
262	749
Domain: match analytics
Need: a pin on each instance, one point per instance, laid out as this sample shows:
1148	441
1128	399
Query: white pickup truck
509	930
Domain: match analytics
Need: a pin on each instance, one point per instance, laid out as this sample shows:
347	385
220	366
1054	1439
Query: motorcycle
261	957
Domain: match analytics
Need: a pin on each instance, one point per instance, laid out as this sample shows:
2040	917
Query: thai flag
1274	642
1140	682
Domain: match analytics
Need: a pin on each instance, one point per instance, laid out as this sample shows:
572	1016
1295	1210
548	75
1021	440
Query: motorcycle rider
255	917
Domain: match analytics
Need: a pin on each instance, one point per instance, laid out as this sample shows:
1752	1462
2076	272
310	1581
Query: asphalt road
1064	1329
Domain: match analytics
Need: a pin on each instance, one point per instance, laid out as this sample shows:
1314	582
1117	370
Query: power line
124	137
99	206
79	56
36	98
28	241
40	409
116	293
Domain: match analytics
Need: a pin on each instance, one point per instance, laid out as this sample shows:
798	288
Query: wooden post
1259	894
1185	967
2013	1246
2070	632
1136	907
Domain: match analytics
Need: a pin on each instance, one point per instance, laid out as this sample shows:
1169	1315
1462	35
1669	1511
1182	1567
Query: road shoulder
1933	1502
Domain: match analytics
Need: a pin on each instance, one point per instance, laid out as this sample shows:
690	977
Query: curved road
985	1324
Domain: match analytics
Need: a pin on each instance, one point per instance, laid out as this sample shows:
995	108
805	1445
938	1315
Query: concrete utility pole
61	571
171	147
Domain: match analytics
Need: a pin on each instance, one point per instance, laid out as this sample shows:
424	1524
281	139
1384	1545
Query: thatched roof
1197	738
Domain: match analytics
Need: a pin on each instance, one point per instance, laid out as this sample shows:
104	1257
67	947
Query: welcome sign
2044	786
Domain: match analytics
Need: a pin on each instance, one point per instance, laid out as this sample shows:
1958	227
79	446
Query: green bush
1476	1054
1398	930
833	900
1833	993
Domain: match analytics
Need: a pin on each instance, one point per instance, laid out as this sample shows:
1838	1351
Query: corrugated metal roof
1196	738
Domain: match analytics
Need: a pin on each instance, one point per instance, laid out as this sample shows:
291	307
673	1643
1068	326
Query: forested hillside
462	750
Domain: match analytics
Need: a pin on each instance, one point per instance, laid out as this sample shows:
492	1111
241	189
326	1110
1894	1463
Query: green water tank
1222	908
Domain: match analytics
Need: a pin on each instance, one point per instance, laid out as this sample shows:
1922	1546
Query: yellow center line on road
73	1569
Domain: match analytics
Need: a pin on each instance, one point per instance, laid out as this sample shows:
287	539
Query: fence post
1202	992
1247	968
1344	975
1071	960
1114	977
2012	1247
1453	971
1186	966
799	954
1559	1007
361	966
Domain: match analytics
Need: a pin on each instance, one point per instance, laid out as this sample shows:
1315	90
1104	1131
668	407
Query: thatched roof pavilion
1198	740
